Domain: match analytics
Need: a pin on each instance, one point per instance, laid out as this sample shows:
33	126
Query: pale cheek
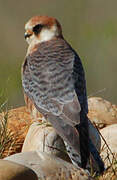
46	35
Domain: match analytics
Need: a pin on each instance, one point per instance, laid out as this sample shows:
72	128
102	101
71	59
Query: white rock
49	167
102	112
109	133
45	139
13	171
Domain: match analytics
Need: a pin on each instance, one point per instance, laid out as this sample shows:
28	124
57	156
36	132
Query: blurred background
89	26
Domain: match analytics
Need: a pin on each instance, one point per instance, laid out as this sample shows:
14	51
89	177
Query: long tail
72	135
96	156
86	144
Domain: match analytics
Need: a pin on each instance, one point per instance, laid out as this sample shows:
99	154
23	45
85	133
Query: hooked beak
26	35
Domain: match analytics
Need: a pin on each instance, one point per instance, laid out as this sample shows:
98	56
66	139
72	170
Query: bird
53	80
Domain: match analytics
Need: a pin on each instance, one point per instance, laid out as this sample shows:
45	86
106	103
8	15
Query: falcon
53	80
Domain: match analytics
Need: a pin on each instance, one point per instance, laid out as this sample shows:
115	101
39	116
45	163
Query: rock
43	137
13	171
49	167
110	135
102	112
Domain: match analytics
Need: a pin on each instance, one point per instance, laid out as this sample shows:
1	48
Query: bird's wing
49	80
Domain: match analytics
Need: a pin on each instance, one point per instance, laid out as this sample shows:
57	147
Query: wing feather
49	79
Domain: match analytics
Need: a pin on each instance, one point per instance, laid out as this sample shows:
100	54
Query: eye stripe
37	28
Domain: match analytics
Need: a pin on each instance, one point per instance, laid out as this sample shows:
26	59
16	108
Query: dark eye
37	28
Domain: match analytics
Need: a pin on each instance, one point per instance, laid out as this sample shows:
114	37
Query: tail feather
87	146
96	156
84	143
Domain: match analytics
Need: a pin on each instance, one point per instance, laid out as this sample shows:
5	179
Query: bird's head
42	28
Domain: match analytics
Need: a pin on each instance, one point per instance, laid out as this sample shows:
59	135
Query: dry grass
14	125
7	141
111	172
111	162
